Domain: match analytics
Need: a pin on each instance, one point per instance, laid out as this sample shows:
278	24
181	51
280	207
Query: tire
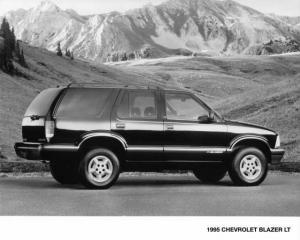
65	171
210	173
249	167
99	169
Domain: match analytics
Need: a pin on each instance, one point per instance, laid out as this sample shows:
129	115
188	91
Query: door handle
170	127
120	125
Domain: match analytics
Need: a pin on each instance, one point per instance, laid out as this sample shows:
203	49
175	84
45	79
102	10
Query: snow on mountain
47	6
193	25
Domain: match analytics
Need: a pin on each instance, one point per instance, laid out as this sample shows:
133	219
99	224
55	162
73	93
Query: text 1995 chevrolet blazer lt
91	133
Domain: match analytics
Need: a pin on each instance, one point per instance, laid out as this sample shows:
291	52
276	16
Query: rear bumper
276	155
41	151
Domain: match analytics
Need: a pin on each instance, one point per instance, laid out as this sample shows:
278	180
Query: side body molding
239	139
103	134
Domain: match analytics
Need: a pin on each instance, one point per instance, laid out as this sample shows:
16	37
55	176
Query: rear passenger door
136	117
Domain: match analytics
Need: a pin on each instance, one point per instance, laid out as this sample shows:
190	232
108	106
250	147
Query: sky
85	7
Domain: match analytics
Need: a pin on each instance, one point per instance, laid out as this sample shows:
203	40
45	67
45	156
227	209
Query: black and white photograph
152	108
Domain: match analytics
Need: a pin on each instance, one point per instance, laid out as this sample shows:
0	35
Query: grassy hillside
46	70
264	90
258	89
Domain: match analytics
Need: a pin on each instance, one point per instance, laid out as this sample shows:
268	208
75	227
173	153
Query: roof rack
113	85
128	86
93	84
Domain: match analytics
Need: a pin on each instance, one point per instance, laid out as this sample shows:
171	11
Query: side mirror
205	119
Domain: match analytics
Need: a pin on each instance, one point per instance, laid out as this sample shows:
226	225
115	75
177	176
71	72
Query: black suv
90	134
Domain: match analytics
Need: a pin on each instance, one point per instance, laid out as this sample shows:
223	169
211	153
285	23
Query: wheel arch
111	141
258	142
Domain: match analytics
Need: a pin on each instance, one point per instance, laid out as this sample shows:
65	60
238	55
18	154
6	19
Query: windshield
217	115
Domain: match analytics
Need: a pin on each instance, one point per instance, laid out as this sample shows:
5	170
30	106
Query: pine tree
7	35
9	48
2	49
17	50
58	50
68	53
22	59
3	28
7	53
12	39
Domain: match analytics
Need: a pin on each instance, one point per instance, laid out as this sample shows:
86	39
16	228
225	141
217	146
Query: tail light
277	144
49	129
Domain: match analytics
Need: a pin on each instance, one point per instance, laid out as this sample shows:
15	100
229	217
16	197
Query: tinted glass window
180	106
138	105
78	103
41	104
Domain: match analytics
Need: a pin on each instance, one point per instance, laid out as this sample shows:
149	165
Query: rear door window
138	105
87	103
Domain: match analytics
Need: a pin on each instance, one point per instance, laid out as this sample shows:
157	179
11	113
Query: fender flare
115	136
239	139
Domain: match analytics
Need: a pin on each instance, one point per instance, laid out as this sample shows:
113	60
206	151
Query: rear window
41	104
87	103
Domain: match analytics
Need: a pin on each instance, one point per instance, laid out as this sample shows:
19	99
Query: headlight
277	144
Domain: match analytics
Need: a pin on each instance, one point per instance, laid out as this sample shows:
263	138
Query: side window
181	106
138	105
83	103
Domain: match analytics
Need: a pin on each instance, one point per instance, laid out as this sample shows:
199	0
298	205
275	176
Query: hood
242	127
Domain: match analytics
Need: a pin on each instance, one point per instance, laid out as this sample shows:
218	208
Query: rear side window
138	105
42	103
87	103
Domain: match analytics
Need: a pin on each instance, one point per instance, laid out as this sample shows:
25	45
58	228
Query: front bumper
276	155
43	151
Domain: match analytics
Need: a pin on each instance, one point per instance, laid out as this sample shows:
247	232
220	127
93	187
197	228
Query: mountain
275	47
173	27
292	21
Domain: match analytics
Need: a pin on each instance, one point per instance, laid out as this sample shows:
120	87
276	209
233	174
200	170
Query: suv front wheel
99	169
249	167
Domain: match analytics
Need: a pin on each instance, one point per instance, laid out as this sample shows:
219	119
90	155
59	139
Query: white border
146	228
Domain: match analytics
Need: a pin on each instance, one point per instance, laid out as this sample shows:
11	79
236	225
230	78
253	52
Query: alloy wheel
100	169
250	167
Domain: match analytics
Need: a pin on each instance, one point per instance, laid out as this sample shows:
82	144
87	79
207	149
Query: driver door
185	138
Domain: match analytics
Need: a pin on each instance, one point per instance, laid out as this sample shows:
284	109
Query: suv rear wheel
249	167
64	171
99	169
210	173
